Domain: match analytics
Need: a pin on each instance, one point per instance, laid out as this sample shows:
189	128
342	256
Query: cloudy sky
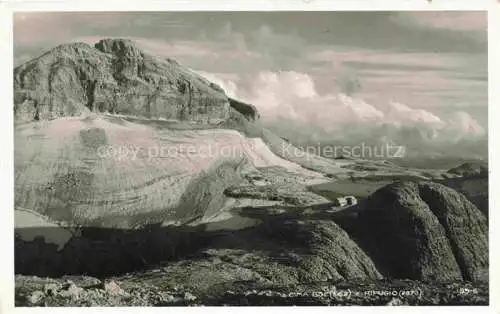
322	71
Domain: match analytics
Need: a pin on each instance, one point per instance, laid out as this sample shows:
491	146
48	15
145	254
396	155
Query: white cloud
292	96
360	109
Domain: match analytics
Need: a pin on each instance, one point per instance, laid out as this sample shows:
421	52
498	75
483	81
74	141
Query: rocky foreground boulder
423	231
115	76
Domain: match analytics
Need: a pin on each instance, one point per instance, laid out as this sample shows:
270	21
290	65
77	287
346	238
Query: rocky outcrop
470	169
287	194
332	254
281	251
423	231
113	76
242	122
474	188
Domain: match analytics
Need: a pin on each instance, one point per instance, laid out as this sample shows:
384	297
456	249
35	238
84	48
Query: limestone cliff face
113	76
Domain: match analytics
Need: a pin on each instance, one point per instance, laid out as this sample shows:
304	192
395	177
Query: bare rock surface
465	226
471	169
149	293
139	183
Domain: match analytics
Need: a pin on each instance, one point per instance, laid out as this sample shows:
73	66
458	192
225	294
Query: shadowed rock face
424	231
116	77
